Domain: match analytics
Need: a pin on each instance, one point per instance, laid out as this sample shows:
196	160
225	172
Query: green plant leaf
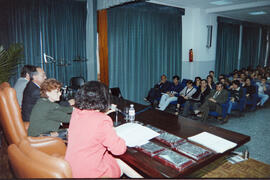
9	60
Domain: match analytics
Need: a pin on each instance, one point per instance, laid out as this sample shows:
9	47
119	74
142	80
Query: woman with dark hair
47	115
198	98
92	140
210	82
197	82
185	95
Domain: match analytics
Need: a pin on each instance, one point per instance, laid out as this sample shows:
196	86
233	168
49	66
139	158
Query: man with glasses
213	102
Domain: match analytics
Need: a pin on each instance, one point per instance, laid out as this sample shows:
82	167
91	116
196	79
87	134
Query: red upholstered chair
28	162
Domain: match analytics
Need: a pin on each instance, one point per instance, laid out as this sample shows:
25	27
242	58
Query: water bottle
131	113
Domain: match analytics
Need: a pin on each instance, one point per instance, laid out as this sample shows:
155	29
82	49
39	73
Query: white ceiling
237	9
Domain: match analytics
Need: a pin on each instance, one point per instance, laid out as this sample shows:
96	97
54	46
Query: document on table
135	134
211	141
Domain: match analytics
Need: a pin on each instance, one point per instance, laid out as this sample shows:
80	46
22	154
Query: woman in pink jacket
92	140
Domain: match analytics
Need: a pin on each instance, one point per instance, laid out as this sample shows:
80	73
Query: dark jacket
176	88
31	94
163	87
237	95
200	96
46	116
221	98
250	89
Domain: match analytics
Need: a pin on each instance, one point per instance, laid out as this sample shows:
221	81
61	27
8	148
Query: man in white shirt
22	82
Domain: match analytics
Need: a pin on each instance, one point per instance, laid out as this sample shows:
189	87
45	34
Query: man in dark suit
162	87
32	92
213	102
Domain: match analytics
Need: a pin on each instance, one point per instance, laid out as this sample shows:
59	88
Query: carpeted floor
257	126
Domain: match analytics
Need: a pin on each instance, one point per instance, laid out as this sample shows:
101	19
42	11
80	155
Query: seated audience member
236	94
162	87
222	80
221	76
171	95
235	76
250	93
258	78
22	82
198	98
185	94
31	92
47	115
92	139
252	77
227	83
214	102
197	82
242	79
267	75
210	82
261	91
212	73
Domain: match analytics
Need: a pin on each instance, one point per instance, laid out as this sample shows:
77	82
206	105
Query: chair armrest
26	125
48	145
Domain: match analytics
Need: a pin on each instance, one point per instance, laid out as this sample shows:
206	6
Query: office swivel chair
116	92
75	84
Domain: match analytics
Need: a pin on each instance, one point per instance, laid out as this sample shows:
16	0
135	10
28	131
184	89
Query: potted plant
9	60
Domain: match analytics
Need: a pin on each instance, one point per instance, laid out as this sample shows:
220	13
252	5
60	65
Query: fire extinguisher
190	55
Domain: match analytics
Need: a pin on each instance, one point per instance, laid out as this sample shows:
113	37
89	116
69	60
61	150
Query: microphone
114	107
46	56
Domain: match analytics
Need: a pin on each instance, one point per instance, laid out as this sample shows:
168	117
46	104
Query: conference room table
177	125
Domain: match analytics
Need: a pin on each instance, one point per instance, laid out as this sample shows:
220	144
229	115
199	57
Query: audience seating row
240	106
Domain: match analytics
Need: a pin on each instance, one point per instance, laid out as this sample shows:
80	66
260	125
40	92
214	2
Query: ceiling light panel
256	13
221	2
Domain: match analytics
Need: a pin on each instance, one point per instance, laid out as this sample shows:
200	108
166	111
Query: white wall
194	34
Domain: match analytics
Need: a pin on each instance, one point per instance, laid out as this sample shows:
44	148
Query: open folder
213	142
135	134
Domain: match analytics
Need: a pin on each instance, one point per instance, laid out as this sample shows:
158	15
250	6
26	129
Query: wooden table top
180	126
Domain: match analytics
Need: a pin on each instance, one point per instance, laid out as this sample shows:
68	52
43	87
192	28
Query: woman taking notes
92	139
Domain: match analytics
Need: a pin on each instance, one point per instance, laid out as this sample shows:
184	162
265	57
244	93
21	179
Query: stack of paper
211	141
135	134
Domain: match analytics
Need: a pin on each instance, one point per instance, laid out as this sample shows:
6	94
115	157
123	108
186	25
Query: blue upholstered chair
253	100
240	106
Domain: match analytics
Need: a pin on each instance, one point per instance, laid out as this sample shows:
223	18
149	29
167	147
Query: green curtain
57	28
263	46
250	46
144	42
227	47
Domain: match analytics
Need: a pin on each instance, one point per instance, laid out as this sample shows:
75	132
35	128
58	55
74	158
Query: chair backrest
116	92
28	162
4	84
76	82
11	118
